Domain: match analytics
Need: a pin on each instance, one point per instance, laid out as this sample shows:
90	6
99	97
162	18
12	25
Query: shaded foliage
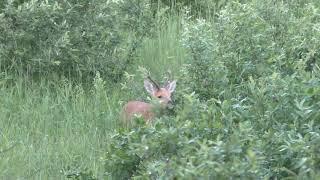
72	38
203	8
248	101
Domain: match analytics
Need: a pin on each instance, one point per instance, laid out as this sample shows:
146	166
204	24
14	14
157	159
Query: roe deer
147	110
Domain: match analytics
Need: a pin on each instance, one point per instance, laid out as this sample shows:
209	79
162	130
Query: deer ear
150	87
171	86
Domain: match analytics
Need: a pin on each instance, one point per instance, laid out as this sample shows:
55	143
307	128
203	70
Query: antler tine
155	83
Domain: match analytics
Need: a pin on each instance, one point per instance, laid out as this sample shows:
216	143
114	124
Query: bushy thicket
273	132
248	101
204	142
250	40
72	38
202	8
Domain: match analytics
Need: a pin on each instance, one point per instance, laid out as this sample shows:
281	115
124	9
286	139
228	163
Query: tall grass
57	128
164	52
45	130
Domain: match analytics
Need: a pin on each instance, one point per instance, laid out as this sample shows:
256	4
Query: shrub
202	8
249	105
248	40
74	38
202	73
205	140
261	37
271	133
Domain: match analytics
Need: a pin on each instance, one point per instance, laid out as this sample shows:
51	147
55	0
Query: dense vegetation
246	105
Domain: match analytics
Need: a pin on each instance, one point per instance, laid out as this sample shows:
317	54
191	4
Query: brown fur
146	110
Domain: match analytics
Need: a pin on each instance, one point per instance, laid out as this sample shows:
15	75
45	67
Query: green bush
203	8
249	40
74	39
272	133
202	73
261	37
248	101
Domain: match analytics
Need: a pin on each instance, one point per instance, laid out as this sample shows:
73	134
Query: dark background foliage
72	38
